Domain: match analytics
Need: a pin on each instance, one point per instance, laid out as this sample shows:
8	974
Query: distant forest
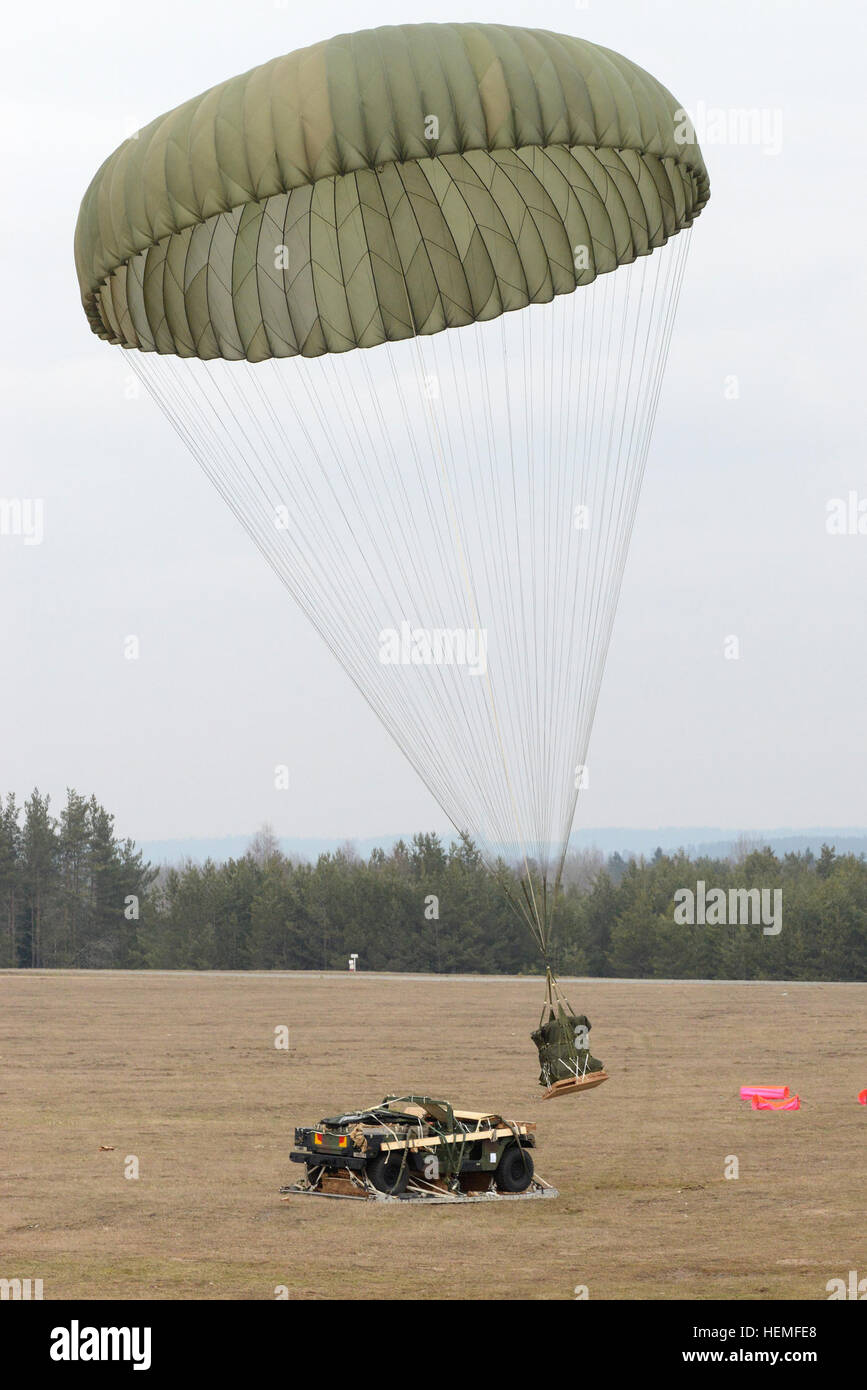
72	894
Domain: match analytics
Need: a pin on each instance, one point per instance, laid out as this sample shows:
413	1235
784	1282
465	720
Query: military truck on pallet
416	1146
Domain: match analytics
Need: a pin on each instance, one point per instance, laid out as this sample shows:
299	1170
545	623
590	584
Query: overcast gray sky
731	536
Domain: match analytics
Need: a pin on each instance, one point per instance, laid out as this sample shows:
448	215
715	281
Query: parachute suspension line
483	470
648	351
466	710
536	921
191	421
383	525
555	997
652	351
448	510
436	486
228	482
517	664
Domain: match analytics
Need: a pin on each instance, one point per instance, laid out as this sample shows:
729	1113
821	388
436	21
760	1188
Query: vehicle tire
389	1173
515	1169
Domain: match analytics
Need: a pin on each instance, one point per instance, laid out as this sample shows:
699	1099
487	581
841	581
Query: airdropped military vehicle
417	1147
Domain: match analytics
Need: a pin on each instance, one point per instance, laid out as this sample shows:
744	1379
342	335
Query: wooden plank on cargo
474	1136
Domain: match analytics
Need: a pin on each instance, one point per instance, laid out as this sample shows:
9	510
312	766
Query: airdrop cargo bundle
415	1148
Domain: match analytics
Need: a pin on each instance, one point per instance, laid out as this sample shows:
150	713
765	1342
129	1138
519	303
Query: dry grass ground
181	1071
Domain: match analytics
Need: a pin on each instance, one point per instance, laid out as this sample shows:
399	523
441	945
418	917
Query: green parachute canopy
421	177
452	510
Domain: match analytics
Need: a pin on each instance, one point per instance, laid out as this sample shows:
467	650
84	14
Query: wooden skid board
575	1086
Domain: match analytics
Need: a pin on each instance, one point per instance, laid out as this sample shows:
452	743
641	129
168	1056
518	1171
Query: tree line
68	886
74	894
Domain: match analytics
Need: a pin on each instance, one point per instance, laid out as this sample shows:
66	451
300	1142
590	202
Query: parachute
349	279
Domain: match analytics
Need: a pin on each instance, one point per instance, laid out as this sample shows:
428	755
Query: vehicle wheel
515	1169
388	1173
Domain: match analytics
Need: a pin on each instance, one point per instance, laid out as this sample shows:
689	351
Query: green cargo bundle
561	1054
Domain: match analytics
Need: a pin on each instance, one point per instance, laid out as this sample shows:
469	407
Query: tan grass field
181	1071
